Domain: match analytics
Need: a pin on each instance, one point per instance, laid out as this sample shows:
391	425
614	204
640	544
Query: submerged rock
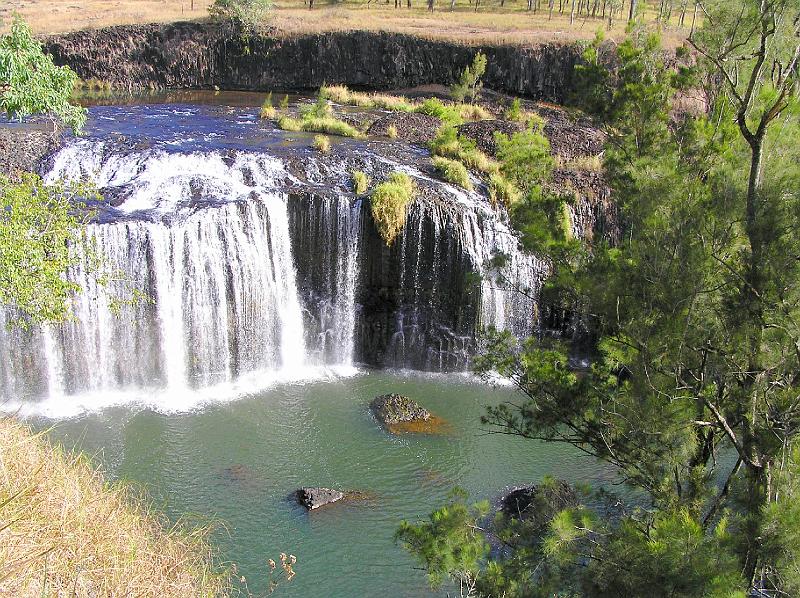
314	498
394	409
539	502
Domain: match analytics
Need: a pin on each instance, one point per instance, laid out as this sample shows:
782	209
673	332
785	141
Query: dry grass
66	532
511	24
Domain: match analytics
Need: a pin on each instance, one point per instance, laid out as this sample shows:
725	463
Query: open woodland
495	21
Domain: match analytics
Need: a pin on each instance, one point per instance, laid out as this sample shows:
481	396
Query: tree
38	224
31	84
693	393
471	81
37	229
247	14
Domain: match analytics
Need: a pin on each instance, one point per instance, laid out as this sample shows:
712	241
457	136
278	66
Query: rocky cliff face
204	55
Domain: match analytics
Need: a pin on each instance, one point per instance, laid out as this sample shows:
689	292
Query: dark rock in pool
395	409
541	502
314	498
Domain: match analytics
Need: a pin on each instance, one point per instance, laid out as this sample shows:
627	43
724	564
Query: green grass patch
501	190
452	171
313	124
449	144
322	143
388	205
360	182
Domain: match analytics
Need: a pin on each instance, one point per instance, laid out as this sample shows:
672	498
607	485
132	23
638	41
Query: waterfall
209	274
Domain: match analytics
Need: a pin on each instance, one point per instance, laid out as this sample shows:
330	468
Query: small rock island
400	414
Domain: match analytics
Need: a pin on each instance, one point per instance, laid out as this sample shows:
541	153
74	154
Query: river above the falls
237	463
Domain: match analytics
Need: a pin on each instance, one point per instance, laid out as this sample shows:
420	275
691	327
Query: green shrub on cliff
248	14
360	182
449	144
471	81
452	171
30	83
388	204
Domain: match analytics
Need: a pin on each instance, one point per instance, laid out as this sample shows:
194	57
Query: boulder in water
314	498
400	414
541	502
394	409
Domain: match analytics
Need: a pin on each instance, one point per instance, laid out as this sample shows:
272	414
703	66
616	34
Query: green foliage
248	14
360	182
514	111
388	203
524	159
284	105
267	109
692	320
449	115
391	132
471	81
592	89
37	228
322	143
321	108
449	144
311	124
501	190
450	544
452	171
34	85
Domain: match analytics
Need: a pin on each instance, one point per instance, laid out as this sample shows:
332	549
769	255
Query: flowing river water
272	315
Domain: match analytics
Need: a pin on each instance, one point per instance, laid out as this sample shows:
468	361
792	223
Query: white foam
176	401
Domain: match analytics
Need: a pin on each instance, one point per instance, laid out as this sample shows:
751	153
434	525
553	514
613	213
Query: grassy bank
64	531
492	23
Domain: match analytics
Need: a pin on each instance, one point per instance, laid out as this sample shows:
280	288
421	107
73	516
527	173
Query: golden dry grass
65	532
510	24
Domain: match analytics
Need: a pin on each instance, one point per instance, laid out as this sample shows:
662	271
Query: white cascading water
197	295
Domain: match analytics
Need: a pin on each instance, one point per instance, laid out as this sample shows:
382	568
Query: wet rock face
202	55
394	409
314	498
23	147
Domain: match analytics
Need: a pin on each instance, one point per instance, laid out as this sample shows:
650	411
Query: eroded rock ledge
203	55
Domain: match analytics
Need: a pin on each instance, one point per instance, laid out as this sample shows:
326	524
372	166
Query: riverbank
67	532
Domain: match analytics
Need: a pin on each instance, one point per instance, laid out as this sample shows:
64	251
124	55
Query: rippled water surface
237	462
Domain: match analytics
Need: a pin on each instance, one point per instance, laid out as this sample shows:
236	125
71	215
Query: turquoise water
237	463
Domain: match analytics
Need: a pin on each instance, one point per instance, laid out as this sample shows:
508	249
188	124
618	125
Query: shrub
328	125
248	14
360	182
470	83
319	109
449	115
473	112
322	143
514	111
287	123
525	158
285	102
267	109
452	171
448	144
391	132
388	205
501	190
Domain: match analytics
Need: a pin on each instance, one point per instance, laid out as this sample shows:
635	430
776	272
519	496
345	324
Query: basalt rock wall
203	55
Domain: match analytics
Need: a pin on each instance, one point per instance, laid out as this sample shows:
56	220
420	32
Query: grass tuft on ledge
319	124
69	533
453	172
388	204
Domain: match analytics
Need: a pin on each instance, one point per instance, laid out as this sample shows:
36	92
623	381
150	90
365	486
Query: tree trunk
632	13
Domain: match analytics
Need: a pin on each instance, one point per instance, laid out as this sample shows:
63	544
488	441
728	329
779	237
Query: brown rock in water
399	414
539	502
